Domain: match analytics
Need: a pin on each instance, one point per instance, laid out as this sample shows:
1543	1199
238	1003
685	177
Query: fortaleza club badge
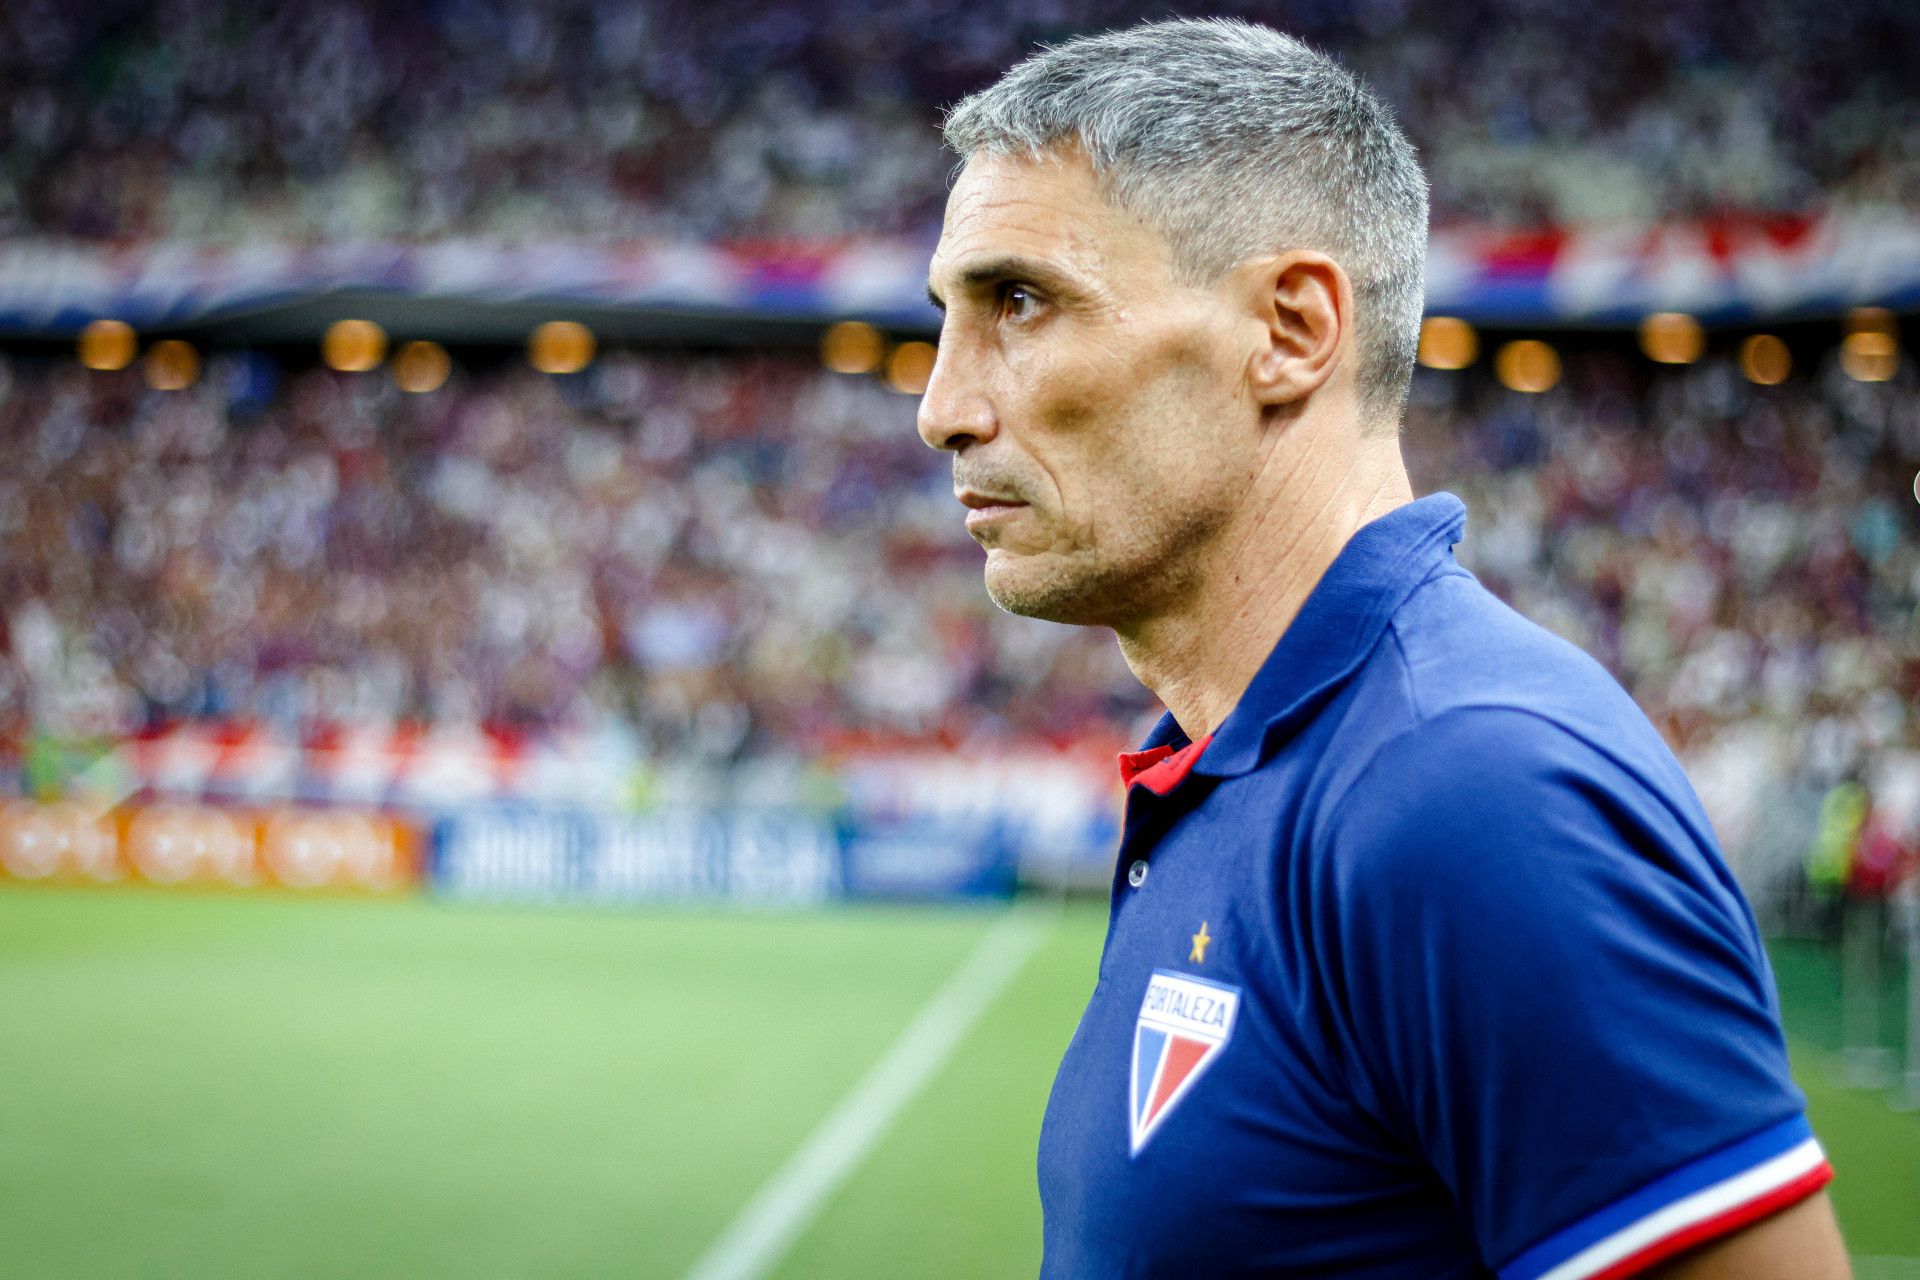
1184	1024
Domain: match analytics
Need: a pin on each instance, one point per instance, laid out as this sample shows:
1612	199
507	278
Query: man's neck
1306	501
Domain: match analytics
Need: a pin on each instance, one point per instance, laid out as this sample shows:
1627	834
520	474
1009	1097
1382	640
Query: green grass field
227	1086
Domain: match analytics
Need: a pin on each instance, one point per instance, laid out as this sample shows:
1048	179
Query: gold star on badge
1200	941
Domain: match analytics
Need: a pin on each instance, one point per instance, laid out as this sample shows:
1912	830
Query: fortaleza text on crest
1184	1025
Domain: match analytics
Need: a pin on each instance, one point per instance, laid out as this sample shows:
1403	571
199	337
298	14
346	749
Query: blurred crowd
743	555
770	120
1745	559
732	554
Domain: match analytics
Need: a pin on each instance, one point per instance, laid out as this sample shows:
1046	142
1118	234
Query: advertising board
504	853
197	844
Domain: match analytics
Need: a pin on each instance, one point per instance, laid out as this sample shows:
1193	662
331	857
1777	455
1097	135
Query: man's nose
955	411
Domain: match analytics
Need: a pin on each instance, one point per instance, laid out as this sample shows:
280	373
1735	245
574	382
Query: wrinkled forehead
1048	208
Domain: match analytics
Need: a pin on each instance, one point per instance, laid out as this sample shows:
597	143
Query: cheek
1131	437
1077	428
1150	456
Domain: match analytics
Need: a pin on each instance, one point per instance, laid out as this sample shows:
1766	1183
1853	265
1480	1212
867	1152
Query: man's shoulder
1498	797
1465	696
1460	646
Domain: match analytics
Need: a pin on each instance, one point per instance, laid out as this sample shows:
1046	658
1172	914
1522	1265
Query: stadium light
421	367
107	345
172	365
1765	360
1448	342
1672	337
354	346
560	346
1527	365
910	367
1870	356
852	346
1871	350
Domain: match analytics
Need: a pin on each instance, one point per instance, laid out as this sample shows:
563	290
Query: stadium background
460	479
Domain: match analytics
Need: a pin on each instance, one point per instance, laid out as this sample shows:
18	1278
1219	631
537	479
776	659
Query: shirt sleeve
1550	986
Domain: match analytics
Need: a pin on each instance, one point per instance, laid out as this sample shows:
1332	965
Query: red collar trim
1161	769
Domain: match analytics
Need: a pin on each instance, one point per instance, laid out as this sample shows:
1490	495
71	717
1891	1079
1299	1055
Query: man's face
1097	409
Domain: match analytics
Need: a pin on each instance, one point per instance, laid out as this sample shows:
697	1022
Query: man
1422	961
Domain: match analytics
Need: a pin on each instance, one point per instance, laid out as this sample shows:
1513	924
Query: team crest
1184	1024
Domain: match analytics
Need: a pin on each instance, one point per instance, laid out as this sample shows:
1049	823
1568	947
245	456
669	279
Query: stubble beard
1103	586
1076	589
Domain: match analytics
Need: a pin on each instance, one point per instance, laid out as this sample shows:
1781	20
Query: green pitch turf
262	1086
255	1086
1875	1151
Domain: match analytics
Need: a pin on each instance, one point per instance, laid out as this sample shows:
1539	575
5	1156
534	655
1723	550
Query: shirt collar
1331	635
1160	768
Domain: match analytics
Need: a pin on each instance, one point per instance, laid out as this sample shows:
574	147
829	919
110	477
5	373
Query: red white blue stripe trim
1714	1195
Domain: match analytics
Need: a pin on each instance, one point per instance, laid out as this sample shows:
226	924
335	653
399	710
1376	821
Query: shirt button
1137	874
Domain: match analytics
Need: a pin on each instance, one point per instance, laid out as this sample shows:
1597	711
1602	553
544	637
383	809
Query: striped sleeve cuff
1712	1196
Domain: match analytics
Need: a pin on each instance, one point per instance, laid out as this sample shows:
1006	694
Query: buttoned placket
1149	817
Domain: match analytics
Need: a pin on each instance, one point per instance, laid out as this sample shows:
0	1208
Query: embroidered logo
1183	1025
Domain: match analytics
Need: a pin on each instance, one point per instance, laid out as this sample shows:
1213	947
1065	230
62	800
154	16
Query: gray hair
1235	141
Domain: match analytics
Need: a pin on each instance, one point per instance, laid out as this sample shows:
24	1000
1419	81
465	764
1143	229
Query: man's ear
1303	303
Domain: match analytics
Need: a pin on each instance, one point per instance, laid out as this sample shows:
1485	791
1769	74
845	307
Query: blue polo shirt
1425	965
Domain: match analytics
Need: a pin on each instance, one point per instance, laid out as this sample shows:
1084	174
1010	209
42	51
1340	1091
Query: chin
1031	587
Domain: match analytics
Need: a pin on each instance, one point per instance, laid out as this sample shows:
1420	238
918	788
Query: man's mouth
974	501
984	509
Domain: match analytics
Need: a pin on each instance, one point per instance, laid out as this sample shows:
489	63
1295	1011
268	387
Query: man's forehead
1047	208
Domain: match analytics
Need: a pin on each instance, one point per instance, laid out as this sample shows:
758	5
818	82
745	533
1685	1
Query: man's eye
1019	302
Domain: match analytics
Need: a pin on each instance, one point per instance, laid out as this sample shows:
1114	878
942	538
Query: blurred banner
959	822
534	856
381	766
1727	270
899	824
181	844
58	286
550	818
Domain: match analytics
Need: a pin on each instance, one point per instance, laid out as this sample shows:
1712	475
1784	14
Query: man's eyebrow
1012	266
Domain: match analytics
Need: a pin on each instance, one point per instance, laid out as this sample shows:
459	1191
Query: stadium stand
733	551
745	557
672	559
217	120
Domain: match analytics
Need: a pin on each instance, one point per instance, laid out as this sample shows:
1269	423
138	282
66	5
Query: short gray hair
1235	141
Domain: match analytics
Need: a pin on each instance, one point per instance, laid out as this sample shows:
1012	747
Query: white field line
754	1242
